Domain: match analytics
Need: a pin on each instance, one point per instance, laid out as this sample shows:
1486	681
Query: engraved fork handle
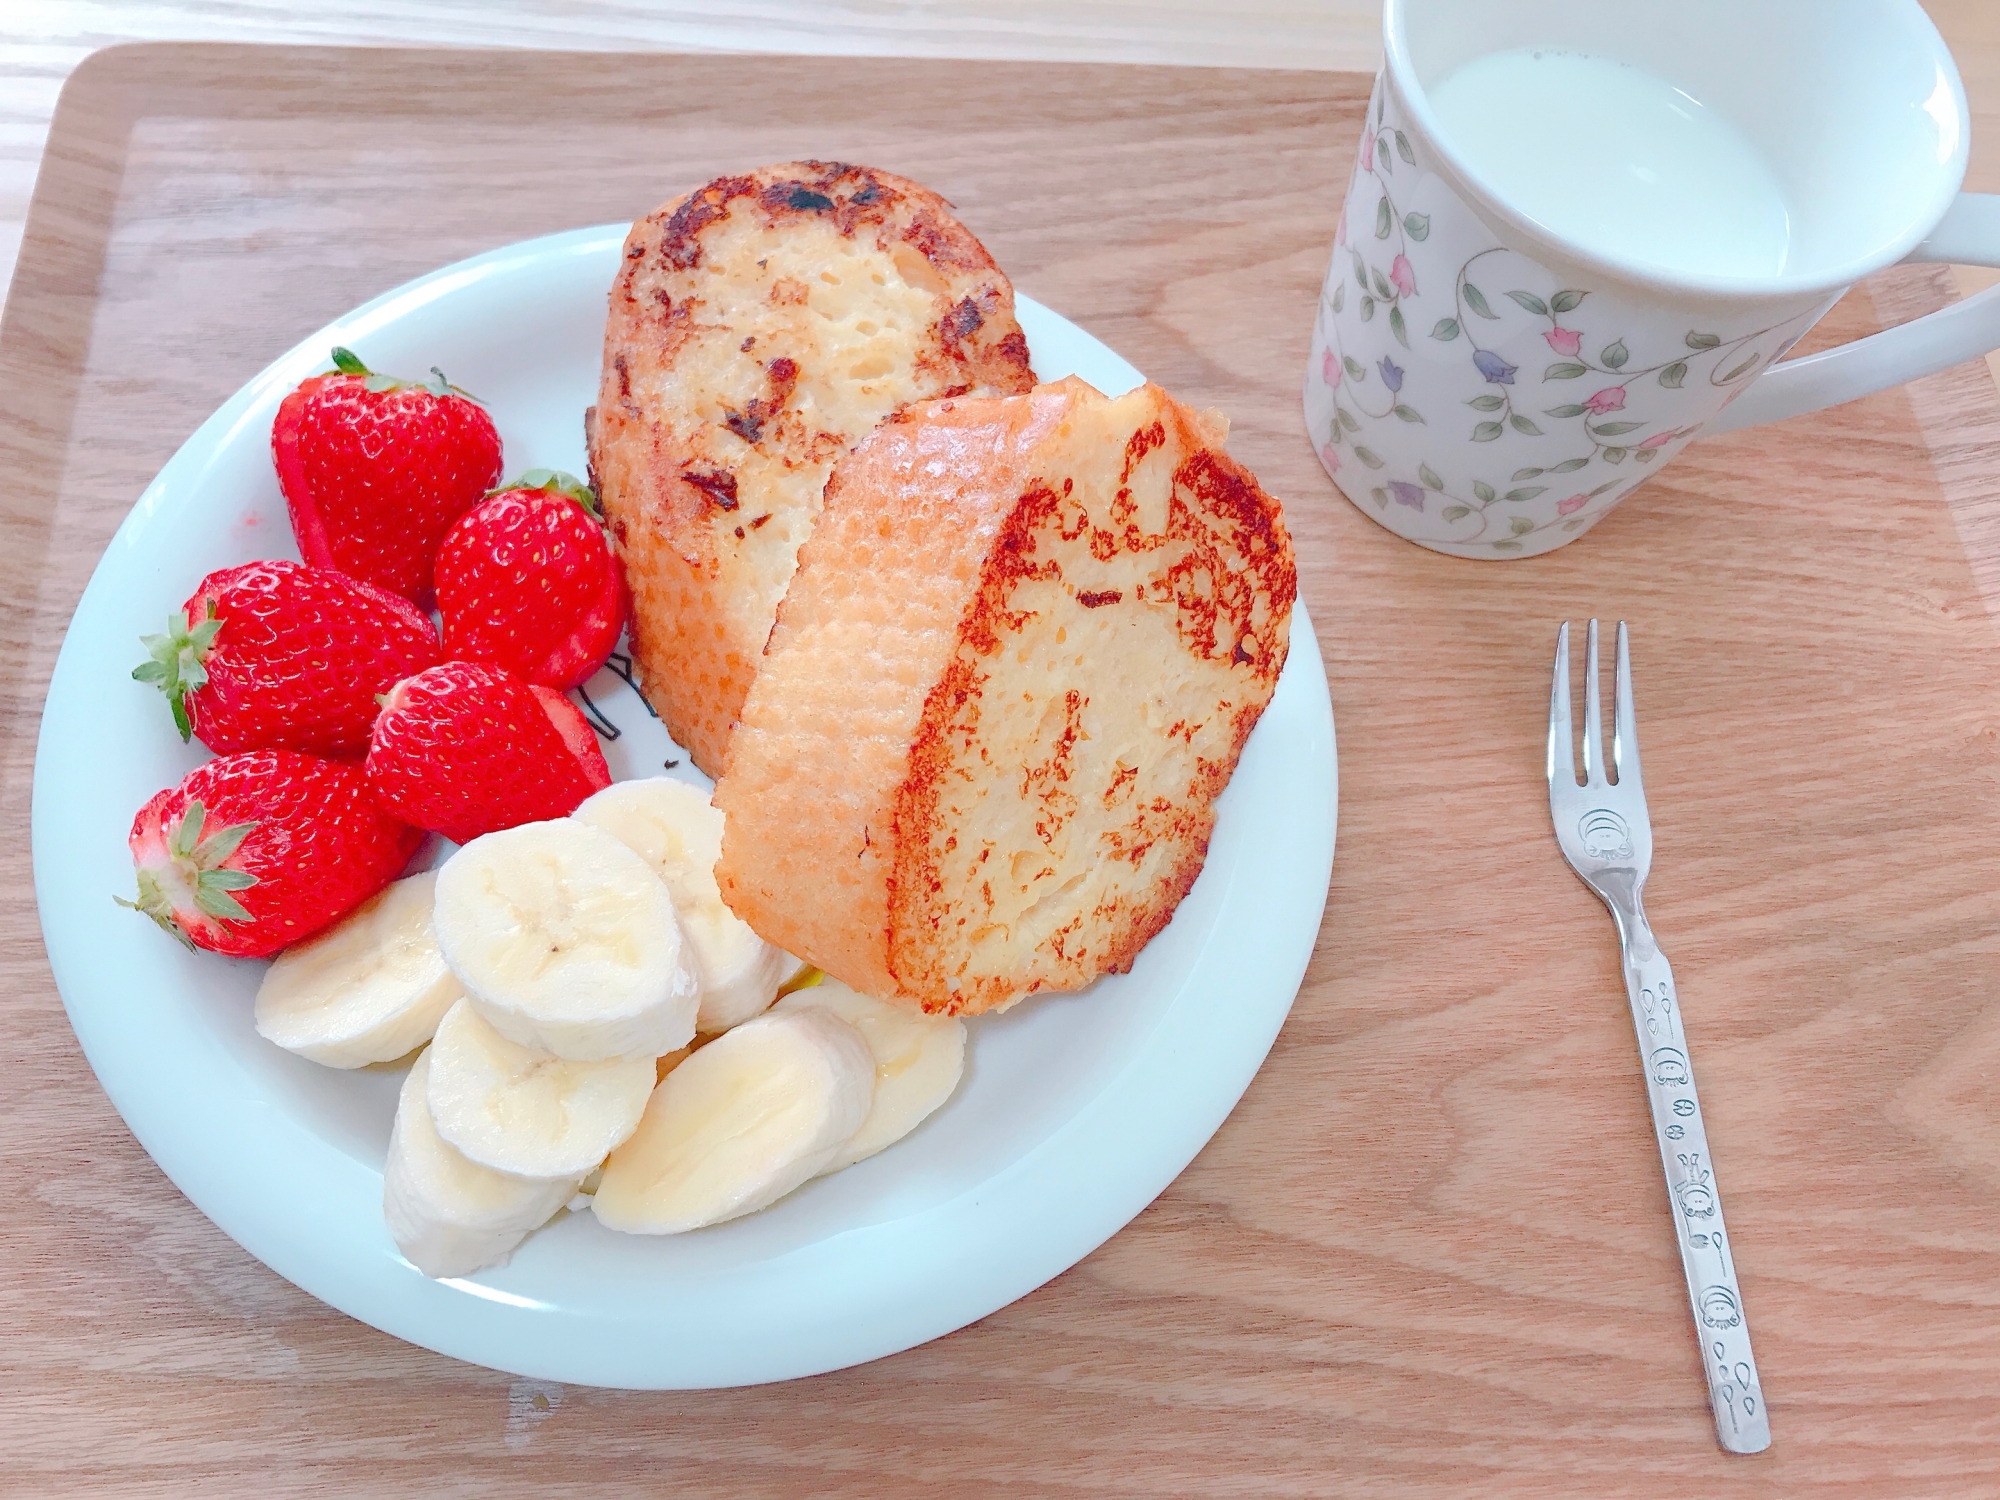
1719	1322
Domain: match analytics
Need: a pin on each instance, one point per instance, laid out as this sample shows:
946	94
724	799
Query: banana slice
676	829
918	1062
567	942
518	1110
369	989
739	1124
450	1216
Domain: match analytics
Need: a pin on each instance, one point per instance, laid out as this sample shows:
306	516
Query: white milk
1617	160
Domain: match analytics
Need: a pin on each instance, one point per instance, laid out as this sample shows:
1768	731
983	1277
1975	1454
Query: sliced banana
369	989
677	830
918	1062
739	1124
518	1110
567	942
450	1216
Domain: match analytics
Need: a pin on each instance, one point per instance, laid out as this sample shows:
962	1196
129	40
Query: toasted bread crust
759	327
863	828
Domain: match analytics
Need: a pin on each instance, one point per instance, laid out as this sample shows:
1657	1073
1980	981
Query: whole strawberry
526	581
376	469
253	852
465	749
280	656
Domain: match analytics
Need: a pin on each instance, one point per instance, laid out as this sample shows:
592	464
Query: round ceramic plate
1075	1110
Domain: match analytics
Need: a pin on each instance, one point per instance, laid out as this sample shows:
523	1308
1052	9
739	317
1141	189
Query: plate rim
516	1334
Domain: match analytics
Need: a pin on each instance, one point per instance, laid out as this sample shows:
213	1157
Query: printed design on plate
619	663
1578	391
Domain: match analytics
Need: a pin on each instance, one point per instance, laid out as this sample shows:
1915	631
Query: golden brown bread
759	327
1016	666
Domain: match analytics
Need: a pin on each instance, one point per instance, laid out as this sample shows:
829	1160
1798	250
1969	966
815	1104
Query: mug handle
1967	235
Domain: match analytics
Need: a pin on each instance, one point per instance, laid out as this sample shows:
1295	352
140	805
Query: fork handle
1719	1321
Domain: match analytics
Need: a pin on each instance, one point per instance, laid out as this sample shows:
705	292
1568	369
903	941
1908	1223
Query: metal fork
1608	840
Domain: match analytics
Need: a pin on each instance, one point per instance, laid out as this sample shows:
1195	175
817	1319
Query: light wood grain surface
1430	1252
41	41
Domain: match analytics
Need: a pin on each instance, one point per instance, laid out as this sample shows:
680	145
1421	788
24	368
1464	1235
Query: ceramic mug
1486	388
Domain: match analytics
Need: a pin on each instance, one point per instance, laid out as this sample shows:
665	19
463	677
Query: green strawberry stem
351	363
347	362
153	903
176	664
197	861
552	482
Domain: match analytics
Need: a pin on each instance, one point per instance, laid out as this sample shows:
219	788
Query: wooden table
1299	1314
41	41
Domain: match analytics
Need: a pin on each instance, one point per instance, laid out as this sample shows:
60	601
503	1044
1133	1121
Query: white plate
1075	1112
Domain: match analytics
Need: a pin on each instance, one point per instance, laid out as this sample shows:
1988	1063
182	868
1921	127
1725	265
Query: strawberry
465	749
280	656
376	469
256	851
526	580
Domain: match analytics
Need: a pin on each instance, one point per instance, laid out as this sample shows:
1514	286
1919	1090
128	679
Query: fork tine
1625	721
1593	715
1562	750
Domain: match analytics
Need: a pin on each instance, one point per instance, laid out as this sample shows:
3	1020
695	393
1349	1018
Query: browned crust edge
679	492
1254	523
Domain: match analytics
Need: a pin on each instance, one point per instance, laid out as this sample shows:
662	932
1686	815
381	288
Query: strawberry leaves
552	482
202	859
258	850
209	854
175	663
196	869
153	903
212	888
347	362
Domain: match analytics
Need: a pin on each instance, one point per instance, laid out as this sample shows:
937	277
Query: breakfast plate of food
709	844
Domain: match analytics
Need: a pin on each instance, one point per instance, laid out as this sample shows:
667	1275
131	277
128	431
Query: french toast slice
758	328
1020	657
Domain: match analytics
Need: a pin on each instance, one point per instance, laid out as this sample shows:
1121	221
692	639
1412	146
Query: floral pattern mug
1486	391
